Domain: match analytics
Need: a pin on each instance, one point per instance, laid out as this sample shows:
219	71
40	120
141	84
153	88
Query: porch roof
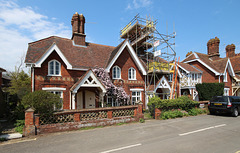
89	79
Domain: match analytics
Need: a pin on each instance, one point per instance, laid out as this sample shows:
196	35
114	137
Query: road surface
199	134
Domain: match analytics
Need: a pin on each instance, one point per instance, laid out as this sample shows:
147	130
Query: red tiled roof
79	57
189	68
235	61
189	58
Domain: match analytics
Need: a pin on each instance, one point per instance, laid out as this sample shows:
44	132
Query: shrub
208	90
173	114
141	120
183	103
43	102
196	111
19	126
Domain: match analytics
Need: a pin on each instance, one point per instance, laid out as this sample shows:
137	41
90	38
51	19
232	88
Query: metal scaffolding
155	49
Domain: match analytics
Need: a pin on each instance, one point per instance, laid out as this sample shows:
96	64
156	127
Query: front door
90	99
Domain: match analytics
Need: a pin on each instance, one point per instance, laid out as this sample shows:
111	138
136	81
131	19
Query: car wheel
235	112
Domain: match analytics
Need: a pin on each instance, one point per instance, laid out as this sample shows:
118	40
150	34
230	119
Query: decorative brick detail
33	126
157	113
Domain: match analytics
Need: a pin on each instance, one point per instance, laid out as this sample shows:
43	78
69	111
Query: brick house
210	68
64	67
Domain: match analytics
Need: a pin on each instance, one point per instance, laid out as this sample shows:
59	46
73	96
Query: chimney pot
213	48
78	23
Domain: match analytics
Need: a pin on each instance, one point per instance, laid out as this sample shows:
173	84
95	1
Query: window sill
54	75
132	79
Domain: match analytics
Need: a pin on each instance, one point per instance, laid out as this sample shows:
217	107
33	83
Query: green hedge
208	90
183	103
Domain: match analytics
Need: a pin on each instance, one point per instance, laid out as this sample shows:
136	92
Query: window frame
226	91
54	68
113	102
170	77
133	73
61	97
138	97
117	69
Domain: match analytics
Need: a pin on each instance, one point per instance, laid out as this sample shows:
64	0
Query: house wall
66	80
228	84
207	75
125	61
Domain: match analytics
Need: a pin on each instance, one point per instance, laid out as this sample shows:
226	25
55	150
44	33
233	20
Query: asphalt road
200	134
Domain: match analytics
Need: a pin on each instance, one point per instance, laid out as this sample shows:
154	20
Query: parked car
226	104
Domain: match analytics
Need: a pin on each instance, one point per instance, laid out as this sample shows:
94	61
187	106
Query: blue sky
24	21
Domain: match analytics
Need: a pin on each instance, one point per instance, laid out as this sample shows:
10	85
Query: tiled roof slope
189	68
79	57
189	58
235	61
217	65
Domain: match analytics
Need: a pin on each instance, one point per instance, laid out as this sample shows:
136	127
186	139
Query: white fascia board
79	69
53	47
163	78
230	66
136	89
183	69
29	64
54	88
90	73
133	55
195	54
204	64
190	55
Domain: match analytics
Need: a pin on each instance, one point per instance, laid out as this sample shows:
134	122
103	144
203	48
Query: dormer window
116	73
54	67
131	74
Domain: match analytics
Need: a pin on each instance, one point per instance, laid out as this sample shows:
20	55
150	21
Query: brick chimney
213	48
78	33
230	50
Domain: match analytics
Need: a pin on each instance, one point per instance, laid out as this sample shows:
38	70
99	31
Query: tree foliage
43	102
208	90
117	92
20	83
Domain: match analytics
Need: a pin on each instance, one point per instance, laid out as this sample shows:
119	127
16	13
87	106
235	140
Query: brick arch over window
54	68
116	72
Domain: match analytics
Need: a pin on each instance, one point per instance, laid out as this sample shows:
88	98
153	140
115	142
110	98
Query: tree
42	101
117	92
208	90
20	84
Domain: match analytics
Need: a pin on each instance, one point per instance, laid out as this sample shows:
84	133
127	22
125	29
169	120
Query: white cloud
136	4
21	25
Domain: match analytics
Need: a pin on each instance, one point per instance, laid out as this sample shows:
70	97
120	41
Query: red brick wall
207	75
125	61
228	84
66	80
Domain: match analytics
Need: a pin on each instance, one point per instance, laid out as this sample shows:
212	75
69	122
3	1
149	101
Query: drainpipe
146	101
32	72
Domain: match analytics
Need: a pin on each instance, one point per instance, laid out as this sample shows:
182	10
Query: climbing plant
118	93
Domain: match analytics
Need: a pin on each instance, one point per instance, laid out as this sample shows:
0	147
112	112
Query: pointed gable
119	50
89	79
